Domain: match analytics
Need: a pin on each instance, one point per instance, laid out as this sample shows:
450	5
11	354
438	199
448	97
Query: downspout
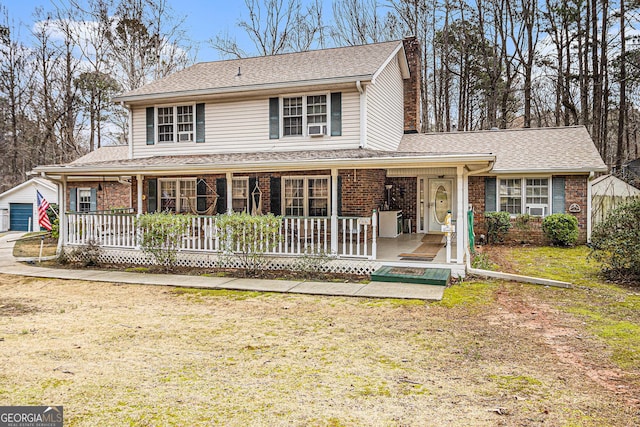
130	130
467	252
363	114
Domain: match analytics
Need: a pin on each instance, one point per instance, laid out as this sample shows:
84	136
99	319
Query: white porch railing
297	235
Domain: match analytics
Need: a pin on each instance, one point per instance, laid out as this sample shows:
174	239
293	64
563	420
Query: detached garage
19	205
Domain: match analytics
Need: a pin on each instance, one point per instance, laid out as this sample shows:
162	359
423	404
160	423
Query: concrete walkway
8	265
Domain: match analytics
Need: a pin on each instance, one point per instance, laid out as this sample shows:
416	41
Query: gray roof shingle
517	150
312	66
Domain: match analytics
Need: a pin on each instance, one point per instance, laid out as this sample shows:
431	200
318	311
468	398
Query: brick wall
405	193
362	191
575	192
412	86
113	194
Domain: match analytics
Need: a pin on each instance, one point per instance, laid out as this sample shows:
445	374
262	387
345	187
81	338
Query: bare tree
359	22
276	26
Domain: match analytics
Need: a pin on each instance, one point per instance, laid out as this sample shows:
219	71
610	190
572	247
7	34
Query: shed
19	205
607	193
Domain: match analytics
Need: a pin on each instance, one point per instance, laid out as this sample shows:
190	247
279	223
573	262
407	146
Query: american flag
43	218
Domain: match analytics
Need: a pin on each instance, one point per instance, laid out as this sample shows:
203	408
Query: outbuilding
19	205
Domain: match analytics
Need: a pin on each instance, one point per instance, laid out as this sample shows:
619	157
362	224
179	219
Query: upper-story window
175	123
306	115
292	116
317	109
299	111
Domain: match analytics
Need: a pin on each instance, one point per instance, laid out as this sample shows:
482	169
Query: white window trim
78	190
523	193
305	131
306	178
174	108
246	181
177	182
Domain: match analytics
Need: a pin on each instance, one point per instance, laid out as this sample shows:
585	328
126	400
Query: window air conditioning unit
537	210
185	136
317	129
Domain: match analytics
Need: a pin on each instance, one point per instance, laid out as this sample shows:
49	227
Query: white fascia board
189	94
565	171
288	165
404	66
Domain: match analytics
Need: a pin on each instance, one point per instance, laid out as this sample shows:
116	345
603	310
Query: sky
204	19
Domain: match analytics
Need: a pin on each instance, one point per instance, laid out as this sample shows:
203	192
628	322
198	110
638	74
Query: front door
440	202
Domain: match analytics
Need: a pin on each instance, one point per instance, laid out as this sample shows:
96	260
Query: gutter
389	162
239	89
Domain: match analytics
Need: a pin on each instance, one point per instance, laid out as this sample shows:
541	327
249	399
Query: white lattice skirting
212	260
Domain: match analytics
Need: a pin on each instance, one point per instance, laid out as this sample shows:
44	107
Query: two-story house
329	139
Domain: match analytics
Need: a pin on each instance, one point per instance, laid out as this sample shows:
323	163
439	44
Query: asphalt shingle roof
536	149
311	66
104	154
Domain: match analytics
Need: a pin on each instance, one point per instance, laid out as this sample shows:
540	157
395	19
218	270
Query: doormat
407	271
427	251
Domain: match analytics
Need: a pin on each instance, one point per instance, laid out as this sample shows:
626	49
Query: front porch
347	245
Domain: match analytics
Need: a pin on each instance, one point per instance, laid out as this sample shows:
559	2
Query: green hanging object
472	236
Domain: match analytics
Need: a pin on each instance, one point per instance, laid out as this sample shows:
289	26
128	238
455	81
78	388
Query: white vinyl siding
243	127
385	109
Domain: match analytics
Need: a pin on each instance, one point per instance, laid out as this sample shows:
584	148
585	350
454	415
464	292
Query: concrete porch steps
419	275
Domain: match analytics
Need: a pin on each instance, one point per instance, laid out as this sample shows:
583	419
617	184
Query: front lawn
491	353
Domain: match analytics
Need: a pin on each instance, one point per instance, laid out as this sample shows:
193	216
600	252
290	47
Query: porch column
460	216
62	215
139	188
229	192
334	211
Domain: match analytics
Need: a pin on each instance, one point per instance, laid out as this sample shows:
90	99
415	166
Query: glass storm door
440	202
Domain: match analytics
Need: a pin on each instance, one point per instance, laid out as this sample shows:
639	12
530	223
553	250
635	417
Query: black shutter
152	195
336	114
274	118
276	190
252	185
557	189
221	189
150	126
200	128
490	203
73	201
339	195
201	199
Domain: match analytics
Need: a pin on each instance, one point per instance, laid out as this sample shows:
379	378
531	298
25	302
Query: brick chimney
412	85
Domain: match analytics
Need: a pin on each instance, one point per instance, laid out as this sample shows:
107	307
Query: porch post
139	188
334	211
460	216
230	192
62	215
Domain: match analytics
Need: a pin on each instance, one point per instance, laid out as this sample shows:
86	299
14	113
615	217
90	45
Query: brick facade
110	194
575	193
362	190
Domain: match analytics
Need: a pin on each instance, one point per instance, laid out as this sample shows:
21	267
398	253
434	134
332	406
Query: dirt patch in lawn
141	355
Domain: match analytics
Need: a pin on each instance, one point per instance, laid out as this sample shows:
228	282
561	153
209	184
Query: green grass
472	294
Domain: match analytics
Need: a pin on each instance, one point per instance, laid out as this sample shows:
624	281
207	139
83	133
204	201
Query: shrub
561	229
161	236
88	255
55	228
615	242
498	225
248	238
